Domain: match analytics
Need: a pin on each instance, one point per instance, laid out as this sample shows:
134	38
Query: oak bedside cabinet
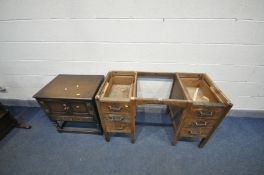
70	99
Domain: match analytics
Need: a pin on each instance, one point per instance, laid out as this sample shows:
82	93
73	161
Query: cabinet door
54	106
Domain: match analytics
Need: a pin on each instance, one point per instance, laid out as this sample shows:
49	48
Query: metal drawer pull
200	123
195	133
114	108
66	108
205	114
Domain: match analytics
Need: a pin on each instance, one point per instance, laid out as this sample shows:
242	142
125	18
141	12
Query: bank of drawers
200	121
117	117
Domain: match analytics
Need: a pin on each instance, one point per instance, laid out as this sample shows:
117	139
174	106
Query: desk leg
132	136
203	142
174	139
107	136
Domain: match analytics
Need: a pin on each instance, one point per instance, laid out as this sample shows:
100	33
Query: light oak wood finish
116	104
207	109
196	105
110	101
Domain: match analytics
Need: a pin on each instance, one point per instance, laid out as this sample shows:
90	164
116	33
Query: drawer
81	108
57	107
203	112
65	107
115	107
195	132
116	118
122	127
71	118
190	122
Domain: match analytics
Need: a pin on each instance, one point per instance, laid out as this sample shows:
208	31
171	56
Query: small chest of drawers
71	98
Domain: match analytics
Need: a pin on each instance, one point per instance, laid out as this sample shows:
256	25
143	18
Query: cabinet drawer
122	127
203	112
116	118
82	108
65	107
70	118
56	107
190	122
115	107
195	132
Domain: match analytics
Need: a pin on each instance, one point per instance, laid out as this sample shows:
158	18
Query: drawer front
117	118
190	122
82	108
195	132
65	107
209	113
71	118
121	127
115	107
56	107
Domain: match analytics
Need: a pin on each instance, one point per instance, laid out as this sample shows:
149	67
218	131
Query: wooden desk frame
180	104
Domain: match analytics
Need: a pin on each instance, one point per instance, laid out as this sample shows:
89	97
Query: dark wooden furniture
8	122
70	98
195	104
116	105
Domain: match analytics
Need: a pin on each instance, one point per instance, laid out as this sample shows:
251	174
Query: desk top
71	87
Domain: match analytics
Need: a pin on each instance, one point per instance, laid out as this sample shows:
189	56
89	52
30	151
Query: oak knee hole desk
70	99
196	105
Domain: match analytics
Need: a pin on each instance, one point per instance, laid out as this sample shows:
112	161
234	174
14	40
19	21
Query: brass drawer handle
66	108
205	114
195	133
114	108
200	123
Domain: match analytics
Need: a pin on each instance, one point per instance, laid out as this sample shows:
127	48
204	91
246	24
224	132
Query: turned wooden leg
60	124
